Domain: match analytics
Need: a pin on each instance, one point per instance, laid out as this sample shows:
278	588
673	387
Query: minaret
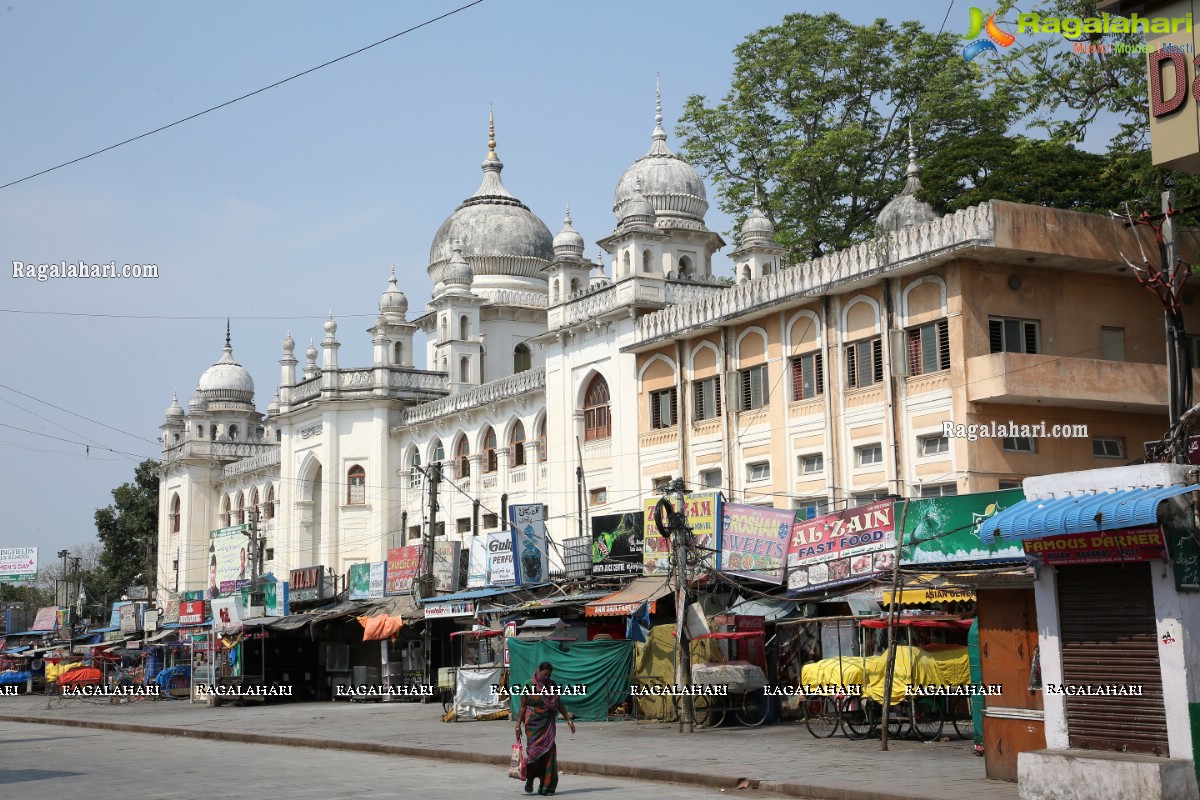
568	273
757	255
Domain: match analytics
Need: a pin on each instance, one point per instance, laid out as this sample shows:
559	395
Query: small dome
637	210
227	379
568	243
273	406
598	279
289	344
393	300
672	185
458	273
330	326
311	352
757	226
175	411
905	210
197	403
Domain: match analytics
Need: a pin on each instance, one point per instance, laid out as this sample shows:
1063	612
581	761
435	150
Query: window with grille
490	461
813	462
808	379
1013	335
929	348
708	397
598	497
1019	444
934	445
711	478
516	444
758	471
357	480
414	475
663	408
597	420
940	490
1010	485
811	507
868	455
1108	448
753	389
864	362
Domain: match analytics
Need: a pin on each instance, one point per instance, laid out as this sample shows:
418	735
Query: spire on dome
492	187
658	139
905	210
228	346
491	156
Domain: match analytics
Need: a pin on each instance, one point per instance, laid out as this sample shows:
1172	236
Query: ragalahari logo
982	23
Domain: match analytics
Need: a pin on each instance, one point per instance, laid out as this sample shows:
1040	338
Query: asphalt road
49	762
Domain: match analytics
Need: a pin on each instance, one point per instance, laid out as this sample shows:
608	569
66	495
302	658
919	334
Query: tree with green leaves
816	122
128	530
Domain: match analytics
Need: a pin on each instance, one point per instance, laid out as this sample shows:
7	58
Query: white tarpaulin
475	695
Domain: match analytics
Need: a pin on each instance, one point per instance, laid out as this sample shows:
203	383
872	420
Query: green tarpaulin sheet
604	667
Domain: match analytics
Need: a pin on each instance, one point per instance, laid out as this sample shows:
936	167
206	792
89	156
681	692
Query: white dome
672	186
568	242
174	411
393	301
757	226
226	380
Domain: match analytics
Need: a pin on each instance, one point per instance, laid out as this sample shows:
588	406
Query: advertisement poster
1109	547
617	543
366	580
446	566
702	511
191	612
227	614
529	543
841	548
945	530
131	618
308	584
114	621
402	566
228	567
500	569
754	541
477	563
18	564
47	619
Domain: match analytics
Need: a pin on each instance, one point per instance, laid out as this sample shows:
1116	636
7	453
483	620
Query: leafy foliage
125	528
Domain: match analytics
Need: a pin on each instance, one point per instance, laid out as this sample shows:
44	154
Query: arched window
398	353
625	263
516	444
259	432
278	435
175	440
241	509
254	509
554	291
233	432
444	334
597	421
462	460
269	511
199	431
542	440
490	461
685	268
574	285
437	452
647	261
464	327
445	365
522	358
226	511
464	370
414	470
356	483
176	507
212	432
745	273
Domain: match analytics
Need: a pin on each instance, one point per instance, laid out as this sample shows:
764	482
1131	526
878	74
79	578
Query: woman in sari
538	713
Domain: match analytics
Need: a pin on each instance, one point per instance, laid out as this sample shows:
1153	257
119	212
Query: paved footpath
782	758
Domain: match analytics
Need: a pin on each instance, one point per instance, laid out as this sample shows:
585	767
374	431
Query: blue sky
294	203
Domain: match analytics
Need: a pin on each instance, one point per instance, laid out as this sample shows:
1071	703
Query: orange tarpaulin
380	627
80	676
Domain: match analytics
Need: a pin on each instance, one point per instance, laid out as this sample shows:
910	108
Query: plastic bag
516	762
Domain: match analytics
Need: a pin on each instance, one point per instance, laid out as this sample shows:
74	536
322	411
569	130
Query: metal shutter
1107	629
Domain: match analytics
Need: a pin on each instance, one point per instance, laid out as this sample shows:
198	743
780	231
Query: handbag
516	762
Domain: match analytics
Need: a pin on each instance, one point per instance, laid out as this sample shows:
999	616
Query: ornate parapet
489	393
260	462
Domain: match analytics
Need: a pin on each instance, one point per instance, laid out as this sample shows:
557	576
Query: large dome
671	184
226	380
505	243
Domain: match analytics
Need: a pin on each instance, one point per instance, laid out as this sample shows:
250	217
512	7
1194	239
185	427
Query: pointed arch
522	358
269	511
516	444
175	515
540	427
462	457
597	413
491	461
356	485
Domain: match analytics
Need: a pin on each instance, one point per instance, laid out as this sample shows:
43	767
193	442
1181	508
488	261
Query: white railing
487	394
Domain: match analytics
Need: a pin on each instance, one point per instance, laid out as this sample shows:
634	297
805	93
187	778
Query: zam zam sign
841	548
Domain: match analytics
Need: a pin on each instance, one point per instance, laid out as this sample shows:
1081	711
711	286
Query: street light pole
63	554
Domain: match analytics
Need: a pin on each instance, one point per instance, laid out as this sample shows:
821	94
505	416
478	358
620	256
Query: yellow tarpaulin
654	663
845	671
55	670
912	667
932	594
953	663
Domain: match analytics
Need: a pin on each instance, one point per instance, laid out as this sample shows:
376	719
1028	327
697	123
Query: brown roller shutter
1108	634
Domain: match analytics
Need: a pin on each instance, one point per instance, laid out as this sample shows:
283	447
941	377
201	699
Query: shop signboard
170	611
1185	556
47	619
191	612
228	565
617	543
194	595
63	622
114	620
500	569
366	580
945	530
446	566
703	512
754	541
450	608
402	566
18	564
308	584
531	559
840	548
227	613
279	600
131	618
1107	547
477	562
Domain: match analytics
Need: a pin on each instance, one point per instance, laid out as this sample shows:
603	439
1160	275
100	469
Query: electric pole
435	478
256	598
680	533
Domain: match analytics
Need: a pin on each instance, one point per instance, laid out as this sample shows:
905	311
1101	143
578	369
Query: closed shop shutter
1108	634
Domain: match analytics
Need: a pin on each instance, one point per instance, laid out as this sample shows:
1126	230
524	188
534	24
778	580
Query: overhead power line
248	95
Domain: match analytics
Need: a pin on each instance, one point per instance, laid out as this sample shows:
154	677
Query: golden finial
491	136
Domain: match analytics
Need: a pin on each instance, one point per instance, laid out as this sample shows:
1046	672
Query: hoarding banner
945	530
402	566
702	511
531	554
754	541
456	608
63	623
308	584
500	569
114	620
191	612
228	567
1109	547
446	566
227	614
477	563
366	580
131	618
18	564
46	619
841	548
617	541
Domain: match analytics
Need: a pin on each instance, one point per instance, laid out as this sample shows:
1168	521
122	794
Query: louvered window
1013	335
753	389
864	363
708	397
808	378
664	409
929	348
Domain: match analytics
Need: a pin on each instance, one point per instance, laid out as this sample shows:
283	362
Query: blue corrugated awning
1090	513
473	594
